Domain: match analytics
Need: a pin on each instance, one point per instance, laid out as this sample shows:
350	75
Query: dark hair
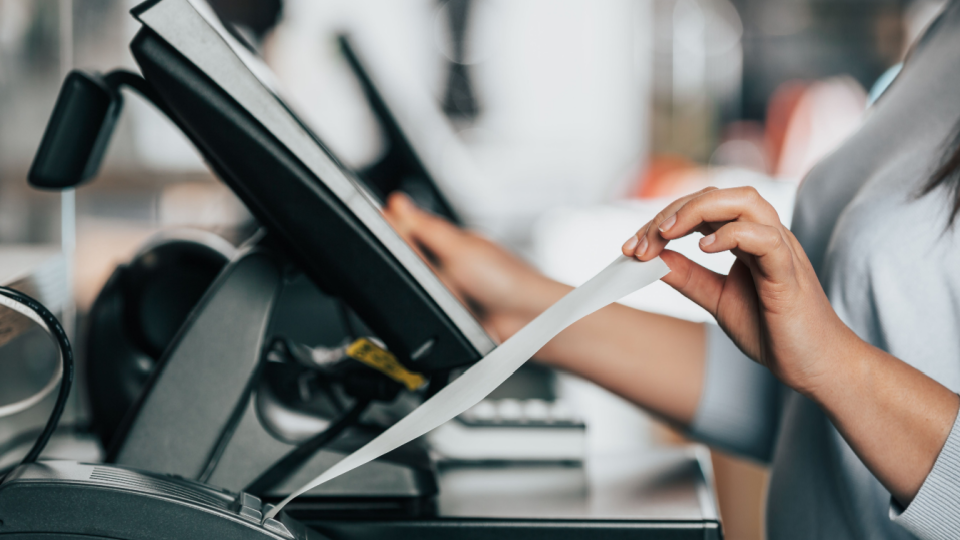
947	174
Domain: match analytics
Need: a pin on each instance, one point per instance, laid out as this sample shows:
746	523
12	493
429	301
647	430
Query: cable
226	434
33	309
23	437
13	408
28	435
289	463
65	368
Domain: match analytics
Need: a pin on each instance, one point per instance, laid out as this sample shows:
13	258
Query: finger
738	204
708	228
402	223
636	245
654	242
713	208
630	246
433	233
700	285
396	219
773	255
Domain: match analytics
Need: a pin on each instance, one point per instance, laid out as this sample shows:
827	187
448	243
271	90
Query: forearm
893	416
652	360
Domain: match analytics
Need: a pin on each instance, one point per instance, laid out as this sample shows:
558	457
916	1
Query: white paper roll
623	276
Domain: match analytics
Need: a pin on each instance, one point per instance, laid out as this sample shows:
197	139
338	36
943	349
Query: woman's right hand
619	348
503	291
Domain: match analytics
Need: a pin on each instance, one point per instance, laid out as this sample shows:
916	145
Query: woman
838	349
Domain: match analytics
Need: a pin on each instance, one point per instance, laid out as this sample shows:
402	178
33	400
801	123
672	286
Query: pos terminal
318	219
209	415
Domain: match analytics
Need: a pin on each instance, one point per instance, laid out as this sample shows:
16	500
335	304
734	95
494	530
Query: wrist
540	293
844	367
528	299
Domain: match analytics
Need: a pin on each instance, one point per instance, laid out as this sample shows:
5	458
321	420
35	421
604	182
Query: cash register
216	422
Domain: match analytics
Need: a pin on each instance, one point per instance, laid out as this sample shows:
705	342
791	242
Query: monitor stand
221	439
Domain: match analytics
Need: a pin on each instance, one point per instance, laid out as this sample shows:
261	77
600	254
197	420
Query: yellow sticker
366	351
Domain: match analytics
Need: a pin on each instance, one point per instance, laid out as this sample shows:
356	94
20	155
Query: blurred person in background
836	358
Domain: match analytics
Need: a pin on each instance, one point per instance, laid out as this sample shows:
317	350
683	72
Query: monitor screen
227	101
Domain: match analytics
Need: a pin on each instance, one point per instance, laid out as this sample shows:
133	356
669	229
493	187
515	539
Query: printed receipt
623	276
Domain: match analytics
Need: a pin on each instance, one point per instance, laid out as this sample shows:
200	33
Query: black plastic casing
310	224
77	134
59	499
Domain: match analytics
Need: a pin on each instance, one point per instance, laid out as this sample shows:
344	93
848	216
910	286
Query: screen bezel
191	27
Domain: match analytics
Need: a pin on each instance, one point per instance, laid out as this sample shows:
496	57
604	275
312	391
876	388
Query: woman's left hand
771	303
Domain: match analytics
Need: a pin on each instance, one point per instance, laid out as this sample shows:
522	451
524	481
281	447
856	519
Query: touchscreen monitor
228	103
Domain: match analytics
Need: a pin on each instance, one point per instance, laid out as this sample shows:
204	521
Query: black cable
294	459
285	347
66	356
31	435
21	438
226	434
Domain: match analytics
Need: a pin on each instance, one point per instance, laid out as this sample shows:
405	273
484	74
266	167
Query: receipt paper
623	276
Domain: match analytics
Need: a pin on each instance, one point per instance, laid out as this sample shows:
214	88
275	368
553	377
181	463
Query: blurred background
557	128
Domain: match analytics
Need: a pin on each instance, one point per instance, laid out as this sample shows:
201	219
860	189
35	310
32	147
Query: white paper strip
622	277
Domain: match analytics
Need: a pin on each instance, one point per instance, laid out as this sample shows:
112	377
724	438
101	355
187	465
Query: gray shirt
891	268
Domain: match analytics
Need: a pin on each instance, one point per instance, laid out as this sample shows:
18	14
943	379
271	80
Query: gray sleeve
935	511
739	407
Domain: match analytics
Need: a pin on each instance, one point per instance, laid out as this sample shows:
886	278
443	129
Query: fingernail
630	243
642	247
667	223
707	240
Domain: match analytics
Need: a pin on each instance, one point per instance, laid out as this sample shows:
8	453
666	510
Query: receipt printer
60	499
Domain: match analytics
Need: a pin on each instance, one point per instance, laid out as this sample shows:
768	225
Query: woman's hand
771	303
504	292
617	347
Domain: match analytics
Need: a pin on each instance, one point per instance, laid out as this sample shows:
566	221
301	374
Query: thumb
700	285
